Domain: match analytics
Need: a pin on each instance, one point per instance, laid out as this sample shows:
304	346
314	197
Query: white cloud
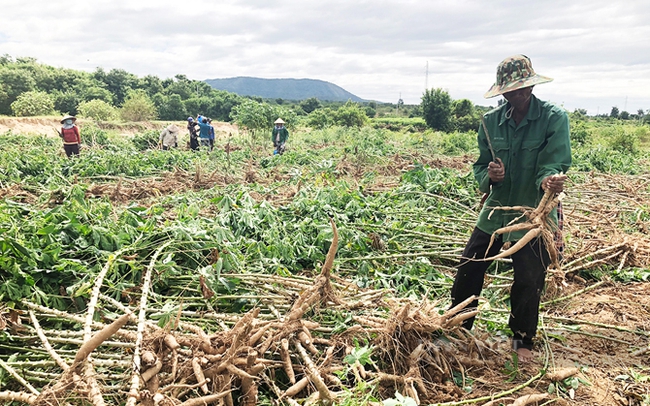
596	50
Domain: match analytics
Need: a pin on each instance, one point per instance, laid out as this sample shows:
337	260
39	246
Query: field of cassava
131	275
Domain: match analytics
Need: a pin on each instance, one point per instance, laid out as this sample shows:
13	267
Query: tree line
29	88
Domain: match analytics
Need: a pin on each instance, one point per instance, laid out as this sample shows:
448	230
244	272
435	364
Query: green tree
465	117
33	103
254	116
98	110
624	115
436	109
172	108
309	105
614	113
118	81
321	118
151	84
183	87
462	107
138	107
350	115
66	101
94	92
222	103
13	82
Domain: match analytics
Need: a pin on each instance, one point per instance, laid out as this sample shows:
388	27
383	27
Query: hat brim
497	90
73	118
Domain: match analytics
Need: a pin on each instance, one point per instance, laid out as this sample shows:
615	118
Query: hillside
287	89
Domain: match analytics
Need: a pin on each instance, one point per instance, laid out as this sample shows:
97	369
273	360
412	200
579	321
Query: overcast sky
598	51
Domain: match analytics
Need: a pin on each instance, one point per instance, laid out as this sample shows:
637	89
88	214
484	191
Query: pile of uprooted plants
277	351
280	350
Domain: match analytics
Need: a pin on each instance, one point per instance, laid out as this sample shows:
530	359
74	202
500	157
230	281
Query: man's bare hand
496	171
554	183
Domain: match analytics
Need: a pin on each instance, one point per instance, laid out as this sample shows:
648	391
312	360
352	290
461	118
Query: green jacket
537	148
284	134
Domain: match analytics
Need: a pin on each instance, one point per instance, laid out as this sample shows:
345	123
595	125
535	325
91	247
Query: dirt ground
602	329
48	126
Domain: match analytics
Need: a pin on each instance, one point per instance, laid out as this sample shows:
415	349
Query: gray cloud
596	50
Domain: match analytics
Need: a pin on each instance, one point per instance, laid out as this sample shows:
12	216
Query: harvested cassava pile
284	351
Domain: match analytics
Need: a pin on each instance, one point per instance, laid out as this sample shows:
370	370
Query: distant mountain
287	89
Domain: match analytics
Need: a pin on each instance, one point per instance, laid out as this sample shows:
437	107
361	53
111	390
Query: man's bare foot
524	355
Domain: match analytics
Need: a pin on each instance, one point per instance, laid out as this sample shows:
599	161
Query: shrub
436	109
98	110
92	135
622	140
147	140
33	103
458	143
350	115
138	107
579	134
321	118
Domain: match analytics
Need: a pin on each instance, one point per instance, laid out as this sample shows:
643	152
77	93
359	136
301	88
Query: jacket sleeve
481	165
76	132
555	156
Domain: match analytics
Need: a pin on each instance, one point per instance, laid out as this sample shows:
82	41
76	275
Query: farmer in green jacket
279	136
524	151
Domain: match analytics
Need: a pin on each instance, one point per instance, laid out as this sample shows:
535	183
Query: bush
437	109
604	159
321	118
98	110
466	123
138	107
147	140
579	134
350	115
622	140
33	103
458	143
93	135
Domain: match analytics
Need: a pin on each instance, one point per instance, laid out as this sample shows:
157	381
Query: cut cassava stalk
39	331
77	319
17	377
9	396
142	317
99	280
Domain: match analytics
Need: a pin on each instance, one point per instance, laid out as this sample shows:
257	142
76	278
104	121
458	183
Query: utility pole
426	77
398	102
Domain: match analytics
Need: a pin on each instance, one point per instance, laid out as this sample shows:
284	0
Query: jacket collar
534	111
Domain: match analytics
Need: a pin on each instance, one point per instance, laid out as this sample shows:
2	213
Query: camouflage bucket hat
515	72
